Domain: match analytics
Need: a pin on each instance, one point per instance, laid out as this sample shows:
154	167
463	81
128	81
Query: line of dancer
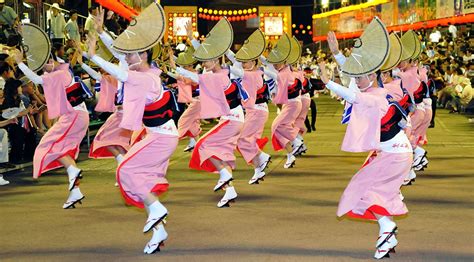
387	113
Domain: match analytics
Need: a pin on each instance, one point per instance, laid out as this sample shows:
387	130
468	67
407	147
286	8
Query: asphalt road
291	216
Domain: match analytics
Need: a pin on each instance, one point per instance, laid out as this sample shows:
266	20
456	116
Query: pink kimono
283	127
65	136
411	81
189	124
110	133
423	74
394	89
221	141
305	103
144	167
250	141
375	187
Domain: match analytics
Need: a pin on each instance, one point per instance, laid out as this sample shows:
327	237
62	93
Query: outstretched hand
324	74
332	42
189	29
99	20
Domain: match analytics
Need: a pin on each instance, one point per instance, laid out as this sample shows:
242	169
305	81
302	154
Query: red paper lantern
310	32
246	17
301	26
296	31
237	18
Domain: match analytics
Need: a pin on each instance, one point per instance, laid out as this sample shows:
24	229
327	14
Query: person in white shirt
57	24
435	36
71	30
89	25
452	30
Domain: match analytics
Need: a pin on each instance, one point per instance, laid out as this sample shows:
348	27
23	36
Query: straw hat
156	51
217	42
186	58
37	46
280	51
143	32
409	45
370	50
253	47
103	51
295	52
395	53
417	47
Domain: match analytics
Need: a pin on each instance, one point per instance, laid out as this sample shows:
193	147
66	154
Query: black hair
4	67
149	56
57	46
459	71
379	78
92	8
72	12
12	98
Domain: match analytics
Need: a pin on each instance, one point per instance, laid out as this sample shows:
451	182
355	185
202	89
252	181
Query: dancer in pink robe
305	103
142	173
189	124
59	147
284	133
373	125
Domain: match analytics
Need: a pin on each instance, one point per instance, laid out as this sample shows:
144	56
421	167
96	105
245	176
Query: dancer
189	124
111	140
411	81
305	98
219	98
373	192
141	174
250	143
284	133
59	147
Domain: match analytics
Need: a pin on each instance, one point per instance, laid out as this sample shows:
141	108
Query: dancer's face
249	65
210	65
365	82
135	59
403	65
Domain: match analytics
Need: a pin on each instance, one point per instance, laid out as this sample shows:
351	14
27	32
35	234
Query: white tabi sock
192	141
300	137
224	174
72	170
386	225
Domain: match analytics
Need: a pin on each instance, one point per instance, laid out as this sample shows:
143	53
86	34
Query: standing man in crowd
71	30
57	25
435	36
89	25
8	21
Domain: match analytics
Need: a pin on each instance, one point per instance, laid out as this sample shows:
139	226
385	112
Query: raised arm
348	94
334	47
116	71
188	74
18	56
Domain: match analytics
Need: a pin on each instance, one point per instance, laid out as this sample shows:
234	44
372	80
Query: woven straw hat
409	45
253	47
103	51
295	52
156	51
417	47
186	58
370	50
280	51
144	32
217	41
37	46
395	53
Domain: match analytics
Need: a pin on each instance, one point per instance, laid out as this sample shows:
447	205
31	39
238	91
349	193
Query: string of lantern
232	15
